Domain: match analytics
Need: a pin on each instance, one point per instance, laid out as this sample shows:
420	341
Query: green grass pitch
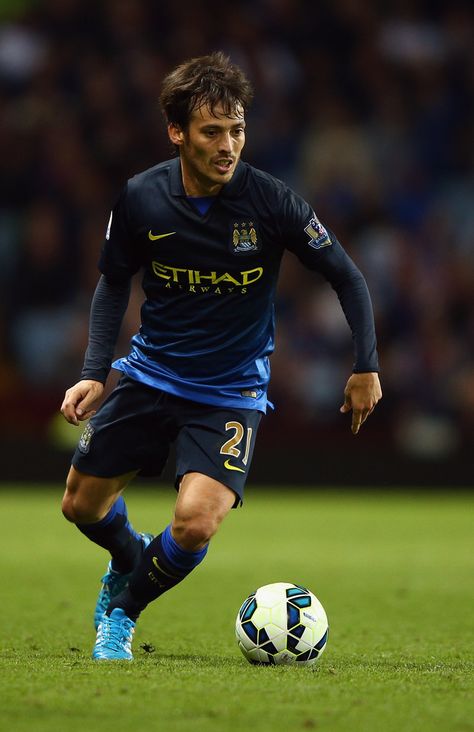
394	571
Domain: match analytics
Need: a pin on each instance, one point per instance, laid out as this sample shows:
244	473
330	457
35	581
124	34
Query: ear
175	133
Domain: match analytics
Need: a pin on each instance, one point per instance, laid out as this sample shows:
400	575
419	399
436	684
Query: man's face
209	148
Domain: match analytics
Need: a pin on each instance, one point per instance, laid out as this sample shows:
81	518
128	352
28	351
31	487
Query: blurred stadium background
363	107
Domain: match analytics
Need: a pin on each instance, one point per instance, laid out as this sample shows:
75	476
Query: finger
86	415
347	406
366	413
69	413
83	406
356	421
363	414
69	406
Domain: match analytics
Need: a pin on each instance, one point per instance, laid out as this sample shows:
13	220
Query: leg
97	508
201	506
88	499
121	439
209	486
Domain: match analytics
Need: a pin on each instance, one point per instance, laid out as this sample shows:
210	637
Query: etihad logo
202	281
154	237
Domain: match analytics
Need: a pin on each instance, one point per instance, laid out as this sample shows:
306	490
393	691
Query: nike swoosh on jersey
232	467
154	237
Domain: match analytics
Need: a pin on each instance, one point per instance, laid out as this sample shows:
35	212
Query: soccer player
208	232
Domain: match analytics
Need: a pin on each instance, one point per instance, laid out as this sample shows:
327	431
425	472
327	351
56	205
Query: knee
75	506
77	511
194	533
69	508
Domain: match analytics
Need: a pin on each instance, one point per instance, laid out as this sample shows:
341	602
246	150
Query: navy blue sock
115	534
163	565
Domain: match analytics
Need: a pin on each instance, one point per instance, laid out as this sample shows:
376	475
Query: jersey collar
230	190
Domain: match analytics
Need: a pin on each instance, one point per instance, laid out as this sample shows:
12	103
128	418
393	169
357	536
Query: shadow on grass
224	663
195	659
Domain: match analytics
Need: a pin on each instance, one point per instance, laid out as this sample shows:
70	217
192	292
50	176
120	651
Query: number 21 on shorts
231	446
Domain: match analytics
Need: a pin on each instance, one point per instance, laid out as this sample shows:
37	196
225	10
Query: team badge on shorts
245	238
86	437
318	236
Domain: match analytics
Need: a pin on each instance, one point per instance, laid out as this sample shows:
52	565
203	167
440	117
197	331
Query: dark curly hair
205	81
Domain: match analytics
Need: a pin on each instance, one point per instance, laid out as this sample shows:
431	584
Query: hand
361	394
79	399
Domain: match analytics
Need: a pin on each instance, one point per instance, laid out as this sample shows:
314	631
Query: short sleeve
120	256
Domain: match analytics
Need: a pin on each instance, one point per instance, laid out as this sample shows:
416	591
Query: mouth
223	165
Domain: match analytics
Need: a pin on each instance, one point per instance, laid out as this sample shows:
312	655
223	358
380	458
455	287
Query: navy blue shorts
136	425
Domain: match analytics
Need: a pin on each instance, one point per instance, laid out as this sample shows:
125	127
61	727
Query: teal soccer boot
114	637
112	584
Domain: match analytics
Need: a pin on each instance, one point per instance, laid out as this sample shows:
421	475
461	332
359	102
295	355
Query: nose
225	143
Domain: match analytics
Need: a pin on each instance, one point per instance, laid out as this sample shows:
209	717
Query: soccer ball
282	623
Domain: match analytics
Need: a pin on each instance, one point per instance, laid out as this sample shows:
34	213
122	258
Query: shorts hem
98	473
239	499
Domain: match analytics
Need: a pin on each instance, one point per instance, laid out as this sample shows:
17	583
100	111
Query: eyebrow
210	125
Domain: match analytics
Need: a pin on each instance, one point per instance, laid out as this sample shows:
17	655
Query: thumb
86	402
347	406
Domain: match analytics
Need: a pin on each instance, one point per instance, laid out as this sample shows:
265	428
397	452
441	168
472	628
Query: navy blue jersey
207	323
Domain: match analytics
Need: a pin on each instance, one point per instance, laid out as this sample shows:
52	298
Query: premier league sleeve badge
318	236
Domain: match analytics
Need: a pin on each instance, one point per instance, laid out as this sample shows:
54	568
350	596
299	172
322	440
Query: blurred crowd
365	108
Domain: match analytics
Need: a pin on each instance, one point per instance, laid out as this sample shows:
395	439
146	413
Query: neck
194	185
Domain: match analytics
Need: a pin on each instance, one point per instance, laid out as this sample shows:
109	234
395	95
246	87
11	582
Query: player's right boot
112	584
114	637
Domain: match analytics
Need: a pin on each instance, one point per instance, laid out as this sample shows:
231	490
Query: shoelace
113	636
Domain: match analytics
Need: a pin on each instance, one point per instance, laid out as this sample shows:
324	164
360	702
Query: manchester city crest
245	238
86	437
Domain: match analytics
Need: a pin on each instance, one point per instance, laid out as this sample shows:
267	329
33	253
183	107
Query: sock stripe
115	534
176	556
153	575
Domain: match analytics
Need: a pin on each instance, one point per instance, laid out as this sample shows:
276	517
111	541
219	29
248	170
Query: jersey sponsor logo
203	281
244	238
318	236
154	237
229	466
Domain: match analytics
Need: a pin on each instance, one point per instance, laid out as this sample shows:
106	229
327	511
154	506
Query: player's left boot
112	584
114	637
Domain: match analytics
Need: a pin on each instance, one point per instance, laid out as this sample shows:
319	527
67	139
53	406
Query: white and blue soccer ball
282	623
